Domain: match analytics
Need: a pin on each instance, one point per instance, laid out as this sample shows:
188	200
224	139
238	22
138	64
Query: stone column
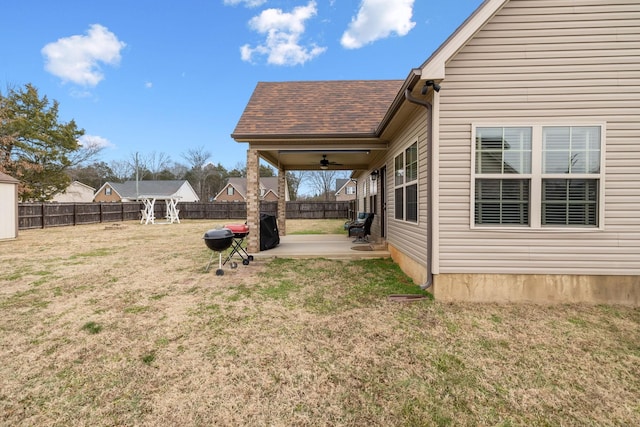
253	201
282	203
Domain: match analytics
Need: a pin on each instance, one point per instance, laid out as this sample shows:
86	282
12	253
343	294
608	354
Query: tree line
45	155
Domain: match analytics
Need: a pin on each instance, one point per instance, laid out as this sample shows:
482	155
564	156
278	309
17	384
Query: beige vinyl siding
544	62
409	237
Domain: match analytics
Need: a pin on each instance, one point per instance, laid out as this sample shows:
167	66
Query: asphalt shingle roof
240	184
316	108
147	188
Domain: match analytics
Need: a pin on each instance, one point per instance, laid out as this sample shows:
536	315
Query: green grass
92	327
360	283
310	226
148	358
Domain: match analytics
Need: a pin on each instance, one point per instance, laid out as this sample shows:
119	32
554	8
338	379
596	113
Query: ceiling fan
324	163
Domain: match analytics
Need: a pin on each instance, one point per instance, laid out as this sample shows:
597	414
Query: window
406	184
107	191
570	172
229	191
350	190
503	163
538	176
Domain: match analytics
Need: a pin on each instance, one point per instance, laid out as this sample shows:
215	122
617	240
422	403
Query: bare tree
157	163
178	170
87	152
323	182
197	158
121	169
294	181
139	166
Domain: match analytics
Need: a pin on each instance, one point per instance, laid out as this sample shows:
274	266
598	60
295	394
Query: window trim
402	152
536	176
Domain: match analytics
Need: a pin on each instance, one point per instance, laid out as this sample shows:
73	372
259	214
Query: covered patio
317	126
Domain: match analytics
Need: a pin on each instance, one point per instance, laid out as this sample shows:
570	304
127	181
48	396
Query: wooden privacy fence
43	215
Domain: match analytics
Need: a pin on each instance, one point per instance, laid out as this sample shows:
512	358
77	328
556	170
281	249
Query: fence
43	215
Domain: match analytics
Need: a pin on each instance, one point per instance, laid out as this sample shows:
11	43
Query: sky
168	76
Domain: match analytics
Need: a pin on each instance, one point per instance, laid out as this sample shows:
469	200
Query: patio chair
362	231
358	221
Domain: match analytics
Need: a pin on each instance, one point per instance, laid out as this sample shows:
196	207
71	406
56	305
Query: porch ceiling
340	156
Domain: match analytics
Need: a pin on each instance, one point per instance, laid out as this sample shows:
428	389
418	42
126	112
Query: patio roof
294	124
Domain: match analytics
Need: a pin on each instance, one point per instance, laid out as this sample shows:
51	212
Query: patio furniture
362	216
147	215
362	231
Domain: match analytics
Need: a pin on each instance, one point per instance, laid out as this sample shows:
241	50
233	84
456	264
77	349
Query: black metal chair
362	231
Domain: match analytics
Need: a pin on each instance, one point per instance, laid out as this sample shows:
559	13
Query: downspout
429	107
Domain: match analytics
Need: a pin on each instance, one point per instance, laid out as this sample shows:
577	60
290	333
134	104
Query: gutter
429	107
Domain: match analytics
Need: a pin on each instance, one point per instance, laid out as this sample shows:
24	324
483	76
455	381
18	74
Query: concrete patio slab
330	246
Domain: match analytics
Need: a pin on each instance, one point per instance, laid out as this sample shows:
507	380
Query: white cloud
93	141
247	3
148	85
77	58
378	19
283	30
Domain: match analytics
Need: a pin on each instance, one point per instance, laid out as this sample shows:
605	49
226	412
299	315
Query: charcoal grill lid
238	228
218	233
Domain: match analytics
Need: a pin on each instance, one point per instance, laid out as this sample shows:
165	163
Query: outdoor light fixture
374	174
429	83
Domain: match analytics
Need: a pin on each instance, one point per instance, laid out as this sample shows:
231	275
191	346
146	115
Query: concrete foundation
524	288
408	265
538	288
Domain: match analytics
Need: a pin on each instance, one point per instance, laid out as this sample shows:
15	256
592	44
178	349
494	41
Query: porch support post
253	201
282	203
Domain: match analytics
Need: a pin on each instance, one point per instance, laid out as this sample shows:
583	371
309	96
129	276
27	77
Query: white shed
8	207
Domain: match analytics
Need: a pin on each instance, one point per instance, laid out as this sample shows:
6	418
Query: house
130	191
507	163
346	189
236	190
76	192
8	207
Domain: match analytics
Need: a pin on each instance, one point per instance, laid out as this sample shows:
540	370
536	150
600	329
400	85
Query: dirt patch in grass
122	326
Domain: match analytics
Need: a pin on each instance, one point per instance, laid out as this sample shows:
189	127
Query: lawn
120	325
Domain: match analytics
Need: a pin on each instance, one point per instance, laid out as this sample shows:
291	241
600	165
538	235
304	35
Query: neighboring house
236	190
76	192
346	189
8	207
130	191
509	161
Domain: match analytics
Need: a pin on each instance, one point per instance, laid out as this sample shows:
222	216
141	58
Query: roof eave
288	136
411	80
